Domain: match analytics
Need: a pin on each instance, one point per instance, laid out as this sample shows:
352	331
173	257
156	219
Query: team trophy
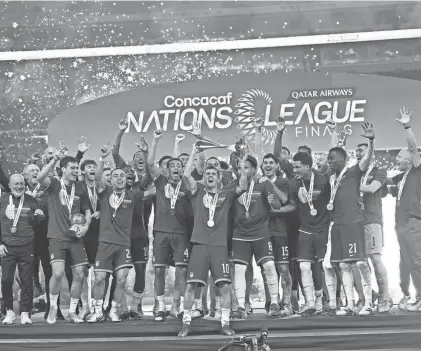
343	136
204	143
78	221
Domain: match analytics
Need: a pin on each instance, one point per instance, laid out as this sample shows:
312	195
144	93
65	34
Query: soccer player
408	207
371	193
171	225
347	233
66	198
17	214
251	235
310	193
114	249
209	238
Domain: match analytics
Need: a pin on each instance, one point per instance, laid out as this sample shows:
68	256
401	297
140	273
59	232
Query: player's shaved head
16	178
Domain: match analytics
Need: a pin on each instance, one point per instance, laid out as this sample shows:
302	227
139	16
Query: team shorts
243	251
112	257
280	249
373	238
91	248
348	243
204	258
165	244
312	247
72	251
140	250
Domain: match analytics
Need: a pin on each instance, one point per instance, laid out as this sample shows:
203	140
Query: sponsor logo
52	256
191	275
97	263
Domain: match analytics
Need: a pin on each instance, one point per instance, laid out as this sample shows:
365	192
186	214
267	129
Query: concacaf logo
246	114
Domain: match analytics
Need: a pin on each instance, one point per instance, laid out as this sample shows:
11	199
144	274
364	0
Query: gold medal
13	230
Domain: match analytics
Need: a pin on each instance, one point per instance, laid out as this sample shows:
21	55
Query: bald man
18	212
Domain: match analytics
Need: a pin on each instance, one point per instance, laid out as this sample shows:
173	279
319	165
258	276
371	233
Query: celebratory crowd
310	226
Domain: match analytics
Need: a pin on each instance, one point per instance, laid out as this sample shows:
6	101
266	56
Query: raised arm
368	133
82	148
100	183
405	120
43	176
146	180
118	160
177	142
187	177
277	149
153	168
259	140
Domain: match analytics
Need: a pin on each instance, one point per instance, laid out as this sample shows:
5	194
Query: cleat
274	310
113	316
180	316
84	313
96	318
415	307
366	311
136	315
287	310
249	309
218	314
161	316
346	311
10	317
403	303
124	316
239	314
74	318
384	306
309	311
267	307
25	318
339	302
184	331
227	330
52	315
360	305
198	314
330	311
374	297
212	313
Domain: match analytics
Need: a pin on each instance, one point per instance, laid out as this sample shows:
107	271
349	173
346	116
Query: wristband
407	126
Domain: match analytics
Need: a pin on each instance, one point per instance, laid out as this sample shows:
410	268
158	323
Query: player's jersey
373	209
93	232
117	230
138	224
277	221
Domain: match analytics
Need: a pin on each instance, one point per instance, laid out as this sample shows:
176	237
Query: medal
334	185
212	208
174	196
210	223
117	203
401	185
247	198
112	219
34	192
16	214
69	200
365	178
309	194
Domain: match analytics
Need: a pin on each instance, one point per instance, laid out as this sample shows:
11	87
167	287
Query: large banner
227	106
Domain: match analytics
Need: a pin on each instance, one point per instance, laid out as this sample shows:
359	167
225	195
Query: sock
348	281
137	297
187	317
98	306
181	308
308	284
73	305
272	280
84	298
114	306
225	316
331	285
53	300
382	280
240	284
161	303
286	286
366	282
217	302
198	303
318	293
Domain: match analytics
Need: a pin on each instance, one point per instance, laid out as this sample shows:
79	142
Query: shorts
293	241
166	244
72	251
312	247
373	238
280	249
91	248
140	250
112	257
204	258
243	251
348	243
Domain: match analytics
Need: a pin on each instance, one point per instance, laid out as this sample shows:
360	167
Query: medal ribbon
402	184
69	200
93	197
118	201
212	205
234	177
334	184
174	194
365	178
247	200
309	193
16	214
33	192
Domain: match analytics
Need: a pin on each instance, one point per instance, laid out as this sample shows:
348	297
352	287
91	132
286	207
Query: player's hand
263	179
142	145
82	232
157	134
105	150
3	251
82	146
197	129
35	157
331	124
405	118
280	124
123	124
368	131
258	123
180	137
59	154
63	148
271	199
39	214
95	215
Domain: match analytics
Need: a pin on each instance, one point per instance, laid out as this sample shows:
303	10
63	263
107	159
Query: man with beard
171	225
209	238
347	233
408	206
66	198
117	204
371	193
251	235
17	214
278	230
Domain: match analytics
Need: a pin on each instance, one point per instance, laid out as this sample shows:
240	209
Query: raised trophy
343	136
204	143
77	222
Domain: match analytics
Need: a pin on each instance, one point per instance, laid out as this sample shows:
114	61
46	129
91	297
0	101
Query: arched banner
227	106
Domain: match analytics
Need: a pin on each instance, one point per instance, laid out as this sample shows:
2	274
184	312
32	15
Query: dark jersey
373	209
277	221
